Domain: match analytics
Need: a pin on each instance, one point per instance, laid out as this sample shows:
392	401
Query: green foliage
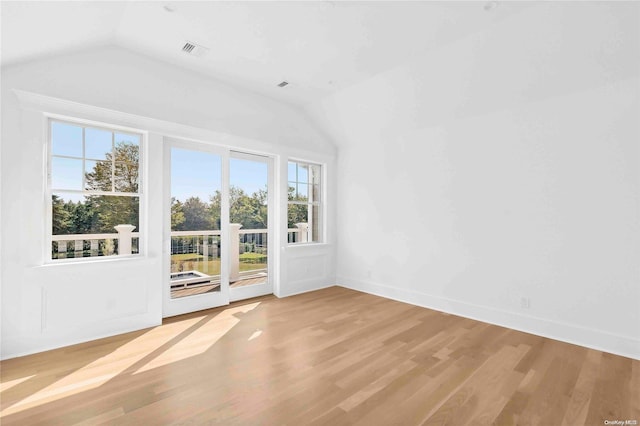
253	258
61	216
250	211
196	215
100	213
119	172
84	218
177	215
296	213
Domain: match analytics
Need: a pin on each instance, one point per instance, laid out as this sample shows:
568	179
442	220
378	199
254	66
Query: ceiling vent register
194	49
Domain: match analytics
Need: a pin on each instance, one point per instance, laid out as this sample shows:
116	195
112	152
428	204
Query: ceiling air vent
194	49
284	83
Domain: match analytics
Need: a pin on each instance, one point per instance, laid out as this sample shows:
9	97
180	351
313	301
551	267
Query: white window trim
322	232
48	118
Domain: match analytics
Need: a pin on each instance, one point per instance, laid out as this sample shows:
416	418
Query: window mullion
84	155
113	162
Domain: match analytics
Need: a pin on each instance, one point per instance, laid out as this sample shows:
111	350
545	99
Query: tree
240	208
250	211
61	216
196	215
296	213
118	173
84	217
215	207
177	215
260	215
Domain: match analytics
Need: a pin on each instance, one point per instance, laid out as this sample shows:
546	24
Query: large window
304	212
94	184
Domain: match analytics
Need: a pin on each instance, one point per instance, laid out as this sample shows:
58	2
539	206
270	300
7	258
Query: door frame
240	293
172	307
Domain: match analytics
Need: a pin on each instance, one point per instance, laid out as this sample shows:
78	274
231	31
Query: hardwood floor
334	357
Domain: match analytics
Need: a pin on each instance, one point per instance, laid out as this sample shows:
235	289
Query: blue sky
66	140
193	173
199	174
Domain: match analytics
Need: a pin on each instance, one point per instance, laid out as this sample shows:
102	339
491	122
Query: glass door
250	218
197	237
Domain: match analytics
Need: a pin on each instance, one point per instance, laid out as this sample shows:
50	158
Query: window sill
94	261
318	245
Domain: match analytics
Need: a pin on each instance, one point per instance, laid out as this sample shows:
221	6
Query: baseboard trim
570	333
305	287
75	340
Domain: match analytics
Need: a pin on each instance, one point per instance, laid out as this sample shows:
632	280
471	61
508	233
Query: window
304	211
94	183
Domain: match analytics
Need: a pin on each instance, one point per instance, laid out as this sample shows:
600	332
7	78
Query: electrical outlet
525	303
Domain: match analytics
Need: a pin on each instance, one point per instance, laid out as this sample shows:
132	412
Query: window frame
321	204
49	119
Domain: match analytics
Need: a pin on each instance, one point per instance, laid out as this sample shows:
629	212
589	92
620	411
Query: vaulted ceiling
317	46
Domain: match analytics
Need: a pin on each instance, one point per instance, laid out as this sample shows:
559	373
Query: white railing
89	245
242	240
299	234
189	233
205	244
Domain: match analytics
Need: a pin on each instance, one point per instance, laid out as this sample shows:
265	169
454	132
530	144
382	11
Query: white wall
46	306
502	166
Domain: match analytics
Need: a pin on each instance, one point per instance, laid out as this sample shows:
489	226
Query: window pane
78	214
125	139
291	192
97	143
98	175
113	210
291	171
315	174
126	176
66	214
297	213
315	224
196	185
66	173
66	139
303	173
95	162
303	192
248	181
315	193
126	152
304	187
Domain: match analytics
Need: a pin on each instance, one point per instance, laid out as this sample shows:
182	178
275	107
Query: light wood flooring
329	357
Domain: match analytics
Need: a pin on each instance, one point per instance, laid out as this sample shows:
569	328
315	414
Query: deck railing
125	242
250	244
200	251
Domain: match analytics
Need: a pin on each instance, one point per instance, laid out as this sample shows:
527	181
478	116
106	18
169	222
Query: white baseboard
305	287
570	333
58	342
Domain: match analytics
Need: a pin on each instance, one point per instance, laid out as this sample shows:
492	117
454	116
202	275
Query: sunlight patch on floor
201	339
102	369
11	383
255	335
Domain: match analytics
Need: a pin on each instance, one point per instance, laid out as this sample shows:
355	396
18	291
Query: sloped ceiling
319	47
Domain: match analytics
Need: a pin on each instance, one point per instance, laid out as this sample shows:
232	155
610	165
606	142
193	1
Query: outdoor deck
207	288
